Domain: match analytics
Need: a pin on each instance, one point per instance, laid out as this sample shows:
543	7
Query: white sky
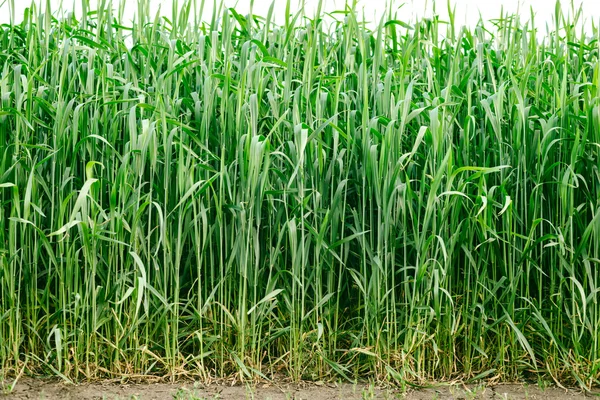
467	11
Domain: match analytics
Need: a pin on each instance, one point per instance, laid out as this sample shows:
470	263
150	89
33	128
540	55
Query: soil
28	388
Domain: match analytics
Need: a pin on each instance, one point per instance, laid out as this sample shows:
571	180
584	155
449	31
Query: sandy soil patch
49	390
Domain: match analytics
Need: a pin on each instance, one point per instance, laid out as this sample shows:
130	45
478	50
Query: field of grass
216	195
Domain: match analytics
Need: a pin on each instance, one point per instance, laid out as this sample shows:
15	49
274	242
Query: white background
468	12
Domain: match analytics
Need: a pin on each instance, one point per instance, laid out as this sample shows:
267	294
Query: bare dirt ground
50	390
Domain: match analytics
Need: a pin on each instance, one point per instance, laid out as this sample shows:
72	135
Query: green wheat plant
217	195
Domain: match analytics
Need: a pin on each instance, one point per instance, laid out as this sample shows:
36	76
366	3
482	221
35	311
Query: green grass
216	195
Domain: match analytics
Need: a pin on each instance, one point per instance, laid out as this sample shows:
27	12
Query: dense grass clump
315	200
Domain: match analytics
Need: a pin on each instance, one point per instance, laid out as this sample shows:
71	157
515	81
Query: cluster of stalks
218	195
